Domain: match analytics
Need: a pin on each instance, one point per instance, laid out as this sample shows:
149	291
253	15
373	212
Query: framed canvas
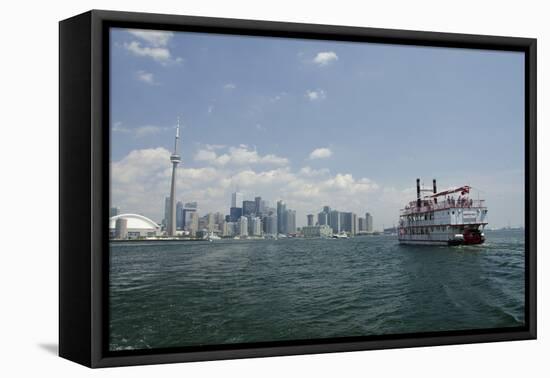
235	188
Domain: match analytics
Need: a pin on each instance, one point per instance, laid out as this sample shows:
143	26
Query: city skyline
312	122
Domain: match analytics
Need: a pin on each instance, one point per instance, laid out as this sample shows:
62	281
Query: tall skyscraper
290	221
271	224
323	216
334	221
322	219
175	159
362	226
255	226
369	222
243	229
114	212
281	217
179	215
235	213
345	222
236	199
259	210
211	222
187	211
193	225
249	208
310	219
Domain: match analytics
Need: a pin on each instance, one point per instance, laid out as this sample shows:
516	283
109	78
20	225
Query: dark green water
195	293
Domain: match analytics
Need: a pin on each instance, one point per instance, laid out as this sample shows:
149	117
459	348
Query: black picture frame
84	185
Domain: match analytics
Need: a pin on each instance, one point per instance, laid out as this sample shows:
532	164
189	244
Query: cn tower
175	159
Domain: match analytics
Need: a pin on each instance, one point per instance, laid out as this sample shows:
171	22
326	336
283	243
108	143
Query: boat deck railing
427	206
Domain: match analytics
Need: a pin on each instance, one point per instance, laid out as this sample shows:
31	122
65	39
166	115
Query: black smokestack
435	187
417	192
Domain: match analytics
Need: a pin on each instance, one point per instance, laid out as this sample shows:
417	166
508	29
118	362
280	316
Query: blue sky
255	109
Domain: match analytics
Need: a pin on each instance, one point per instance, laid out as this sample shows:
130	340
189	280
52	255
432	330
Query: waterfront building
121	228
243	226
132	226
334	221
175	159
255	226
346	220
179	215
322	218
249	208
114	212
193	225
236	199
219	219
369	222
281	217
362	226
271	224
264	206
211	224
260	206
186	215
229	229
319	231
290	221
166	212
310	219
202	234
203	222
235	213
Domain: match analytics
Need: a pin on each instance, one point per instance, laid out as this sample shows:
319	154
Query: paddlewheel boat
450	217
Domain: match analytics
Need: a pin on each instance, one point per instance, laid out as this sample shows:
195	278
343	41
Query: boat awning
463	190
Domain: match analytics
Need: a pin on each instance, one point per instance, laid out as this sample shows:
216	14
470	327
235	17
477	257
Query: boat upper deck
429	205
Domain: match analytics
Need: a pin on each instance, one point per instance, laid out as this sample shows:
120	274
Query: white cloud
325	58
138	132
310	172
153	44
205	155
215	146
146	77
160	54
241	155
153	37
320	153
229	86
316	95
147	130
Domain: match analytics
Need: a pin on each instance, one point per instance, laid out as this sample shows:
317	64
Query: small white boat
212	237
341	235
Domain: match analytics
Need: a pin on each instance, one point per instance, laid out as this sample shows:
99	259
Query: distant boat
212	237
341	235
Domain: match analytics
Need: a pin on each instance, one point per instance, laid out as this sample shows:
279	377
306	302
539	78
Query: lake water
200	293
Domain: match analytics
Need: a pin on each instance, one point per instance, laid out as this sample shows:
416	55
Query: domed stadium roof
135	221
